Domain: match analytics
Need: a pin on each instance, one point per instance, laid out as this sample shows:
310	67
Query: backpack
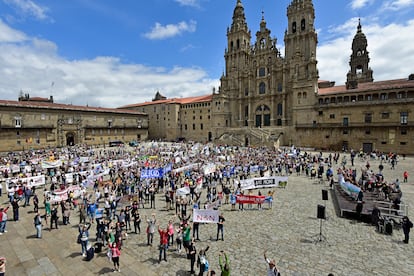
206	266
203	260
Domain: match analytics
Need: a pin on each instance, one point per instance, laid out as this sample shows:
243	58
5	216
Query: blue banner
152	173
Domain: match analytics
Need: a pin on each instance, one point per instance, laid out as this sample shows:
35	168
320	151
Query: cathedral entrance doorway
70	139
262	116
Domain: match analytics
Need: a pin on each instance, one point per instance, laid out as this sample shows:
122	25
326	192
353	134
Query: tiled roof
66	107
188	100
368	86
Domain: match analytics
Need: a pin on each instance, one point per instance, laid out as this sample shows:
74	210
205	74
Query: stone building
177	118
266	98
32	123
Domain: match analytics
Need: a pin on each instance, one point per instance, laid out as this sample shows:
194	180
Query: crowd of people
112	191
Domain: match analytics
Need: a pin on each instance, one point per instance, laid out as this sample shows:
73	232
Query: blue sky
110	53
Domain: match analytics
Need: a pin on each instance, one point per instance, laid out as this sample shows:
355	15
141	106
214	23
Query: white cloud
390	50
8	34
29	8
170	30
103	81
191	3
358	4
396	5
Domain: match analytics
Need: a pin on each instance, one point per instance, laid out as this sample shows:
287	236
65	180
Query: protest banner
152	173
206	216
349	188
250	199
263	182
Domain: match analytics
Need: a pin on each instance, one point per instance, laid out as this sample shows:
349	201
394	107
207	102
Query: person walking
115	255
38	225
406	226
84	236
405	176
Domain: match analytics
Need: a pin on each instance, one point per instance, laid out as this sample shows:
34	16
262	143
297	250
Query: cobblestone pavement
288	231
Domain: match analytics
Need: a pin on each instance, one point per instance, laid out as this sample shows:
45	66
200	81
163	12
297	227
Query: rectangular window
185	127
368	131
403	131
345	131
18	121
201	126
368	118
109	123
279	87
262	72
404	118
385	115
193	126
345	121
320	112
331	116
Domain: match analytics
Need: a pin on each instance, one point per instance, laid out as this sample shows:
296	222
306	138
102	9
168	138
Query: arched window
238	44
302	24
262	88
294	27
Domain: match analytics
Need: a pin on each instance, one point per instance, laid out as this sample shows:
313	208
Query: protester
271	269
3	220
220	226
38	225
151	228
406	226
2	266
54	218
192	252
35	203
225	267
202	261
163	243
84	236
115	255
15	205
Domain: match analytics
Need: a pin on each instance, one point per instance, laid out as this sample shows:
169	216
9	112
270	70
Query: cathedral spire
360	71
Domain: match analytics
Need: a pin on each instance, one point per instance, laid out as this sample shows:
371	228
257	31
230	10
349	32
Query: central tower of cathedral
260	88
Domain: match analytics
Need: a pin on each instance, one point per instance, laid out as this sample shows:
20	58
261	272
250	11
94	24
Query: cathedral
277	99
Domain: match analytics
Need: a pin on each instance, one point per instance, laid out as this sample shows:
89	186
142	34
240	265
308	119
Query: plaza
288	232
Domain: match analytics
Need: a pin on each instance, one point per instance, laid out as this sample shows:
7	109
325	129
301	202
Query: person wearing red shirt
163	242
